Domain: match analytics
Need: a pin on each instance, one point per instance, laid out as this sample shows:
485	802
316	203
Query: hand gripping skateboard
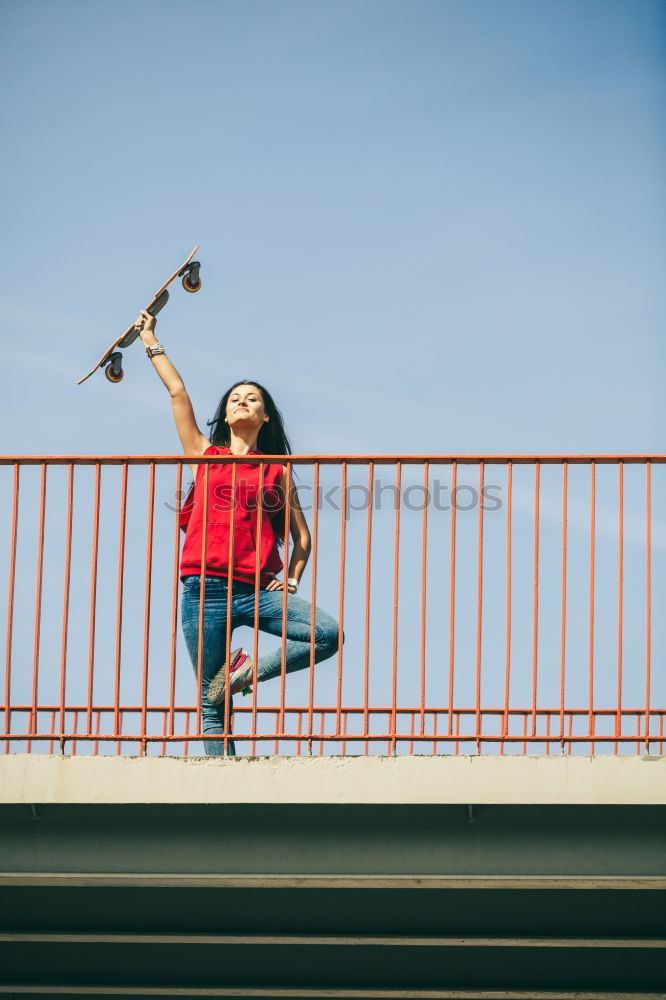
112	359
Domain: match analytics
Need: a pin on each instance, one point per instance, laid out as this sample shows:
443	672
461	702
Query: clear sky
428	226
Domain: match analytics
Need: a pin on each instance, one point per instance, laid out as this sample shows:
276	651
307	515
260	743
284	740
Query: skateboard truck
159	303
114	364
114	367
190	275
131	336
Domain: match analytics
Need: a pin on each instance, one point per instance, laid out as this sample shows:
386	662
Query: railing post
10	607
38	608
648	599
313	599
396	564
65	605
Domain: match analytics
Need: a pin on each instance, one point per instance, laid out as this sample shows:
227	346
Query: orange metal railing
490	604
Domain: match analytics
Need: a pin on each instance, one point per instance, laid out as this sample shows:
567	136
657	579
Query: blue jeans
297	626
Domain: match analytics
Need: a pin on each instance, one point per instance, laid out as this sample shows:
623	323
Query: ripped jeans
297	627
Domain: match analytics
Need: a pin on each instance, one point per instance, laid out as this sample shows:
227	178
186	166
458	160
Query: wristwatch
292	582
155	349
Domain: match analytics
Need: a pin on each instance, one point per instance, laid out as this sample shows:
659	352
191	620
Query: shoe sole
216	688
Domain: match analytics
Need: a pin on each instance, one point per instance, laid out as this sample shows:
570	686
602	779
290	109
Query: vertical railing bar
368	580
524	733
285	596
93	596
341	590
590	716
424	584
313	602
98	720
165	716
570	727
620	588
119	600
452	592
10	605
299	731
648	600
202	597
535	634
230	600
174	603
65	601
146	621
396	558
38	606
507	668
479	610
257	575
254	746
563	628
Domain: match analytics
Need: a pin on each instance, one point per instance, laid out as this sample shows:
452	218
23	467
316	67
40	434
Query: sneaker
241	667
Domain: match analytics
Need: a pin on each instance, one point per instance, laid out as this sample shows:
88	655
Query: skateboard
112	359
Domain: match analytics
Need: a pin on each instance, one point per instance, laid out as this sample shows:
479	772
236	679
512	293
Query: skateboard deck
112	357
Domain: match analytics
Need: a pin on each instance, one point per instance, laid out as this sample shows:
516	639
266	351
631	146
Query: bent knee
328	637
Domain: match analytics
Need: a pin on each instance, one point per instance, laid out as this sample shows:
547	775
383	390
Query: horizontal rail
631	459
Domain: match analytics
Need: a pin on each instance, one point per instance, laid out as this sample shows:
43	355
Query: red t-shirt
245	518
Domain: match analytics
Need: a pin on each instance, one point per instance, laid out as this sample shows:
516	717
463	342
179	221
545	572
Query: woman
246	418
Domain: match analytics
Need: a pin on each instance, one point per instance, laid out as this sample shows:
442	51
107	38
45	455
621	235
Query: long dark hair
272	439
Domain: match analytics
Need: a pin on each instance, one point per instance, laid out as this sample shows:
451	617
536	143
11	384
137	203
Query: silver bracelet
155	349
292	582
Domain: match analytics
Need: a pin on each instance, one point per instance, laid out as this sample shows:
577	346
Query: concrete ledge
474	780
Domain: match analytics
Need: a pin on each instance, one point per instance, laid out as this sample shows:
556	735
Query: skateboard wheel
112	376
191	286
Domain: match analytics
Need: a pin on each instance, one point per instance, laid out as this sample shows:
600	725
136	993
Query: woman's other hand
279	585
146	324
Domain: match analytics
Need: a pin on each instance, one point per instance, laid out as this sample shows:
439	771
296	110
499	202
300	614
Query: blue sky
427	227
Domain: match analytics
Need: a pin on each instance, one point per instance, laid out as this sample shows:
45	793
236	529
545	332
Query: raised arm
191	438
